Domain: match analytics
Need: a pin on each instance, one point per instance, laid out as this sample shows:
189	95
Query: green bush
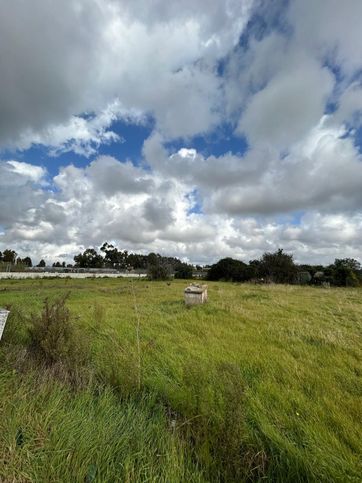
159	271
229	269
53	336
183	271
352	280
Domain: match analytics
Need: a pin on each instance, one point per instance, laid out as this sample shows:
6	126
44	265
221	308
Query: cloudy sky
195	128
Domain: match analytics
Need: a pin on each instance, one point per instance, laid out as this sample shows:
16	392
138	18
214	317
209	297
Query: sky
198	129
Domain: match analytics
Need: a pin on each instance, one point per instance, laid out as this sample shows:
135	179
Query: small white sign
3	318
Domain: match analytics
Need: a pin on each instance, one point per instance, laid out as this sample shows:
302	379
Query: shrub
229	269
352	279
183	271
53	337
159	271
278	267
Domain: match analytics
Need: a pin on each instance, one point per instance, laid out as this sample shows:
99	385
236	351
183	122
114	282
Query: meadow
261	383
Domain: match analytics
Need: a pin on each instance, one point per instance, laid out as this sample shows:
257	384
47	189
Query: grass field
262	382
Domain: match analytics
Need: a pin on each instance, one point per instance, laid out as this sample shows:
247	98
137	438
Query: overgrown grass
51	434
261	382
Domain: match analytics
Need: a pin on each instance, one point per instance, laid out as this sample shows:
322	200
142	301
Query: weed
99	314
54	338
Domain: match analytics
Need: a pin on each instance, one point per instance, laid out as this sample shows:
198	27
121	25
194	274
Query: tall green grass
261	382
51	434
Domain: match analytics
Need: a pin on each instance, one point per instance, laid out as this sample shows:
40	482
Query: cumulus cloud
59	61
145	210
20	190
322	171
291	86
81	135
292	102
331	29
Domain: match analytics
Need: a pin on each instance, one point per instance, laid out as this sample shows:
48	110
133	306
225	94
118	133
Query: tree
159	271
113	257
9	256
346	272
183	270
229	269
153	258
89	259
137	261
27	262
255	269
41	263
349	263
278	267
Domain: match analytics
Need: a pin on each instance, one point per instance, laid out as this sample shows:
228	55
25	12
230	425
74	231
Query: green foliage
352	280
346	272
27	262
114	258
159	271
349	263
53	337
89	259
229	269
9	256
278	267
183	271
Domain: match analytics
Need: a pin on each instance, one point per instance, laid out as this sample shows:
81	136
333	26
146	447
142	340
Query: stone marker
195	294
3	317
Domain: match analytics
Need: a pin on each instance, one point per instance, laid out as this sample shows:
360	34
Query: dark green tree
278	267
114	258
229	269
183	270
9	256
89	259
345	272
159	271
27	262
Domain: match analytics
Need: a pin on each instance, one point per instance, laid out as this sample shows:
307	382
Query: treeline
155	264
10	257
158	266
279	267
276	267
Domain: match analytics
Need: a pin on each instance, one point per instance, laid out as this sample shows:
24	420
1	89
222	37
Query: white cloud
155	211
70	70
59	60
330	28
79	134
292	102
322	171
25	171
19	190
350	106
